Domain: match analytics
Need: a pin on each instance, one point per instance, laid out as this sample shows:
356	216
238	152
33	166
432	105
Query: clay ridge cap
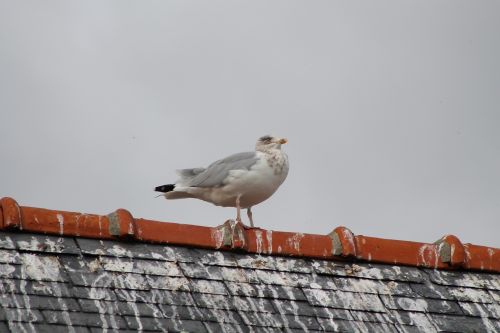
341	244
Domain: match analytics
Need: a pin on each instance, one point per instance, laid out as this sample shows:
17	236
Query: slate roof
63	282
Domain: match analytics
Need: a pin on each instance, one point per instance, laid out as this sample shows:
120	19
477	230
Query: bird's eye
266	139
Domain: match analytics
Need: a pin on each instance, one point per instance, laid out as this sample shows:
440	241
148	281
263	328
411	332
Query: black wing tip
165	188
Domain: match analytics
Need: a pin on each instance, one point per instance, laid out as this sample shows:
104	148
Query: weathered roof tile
344	300
465	324
50	244
420	304
64	282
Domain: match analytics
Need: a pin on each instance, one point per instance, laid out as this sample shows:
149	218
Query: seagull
241	180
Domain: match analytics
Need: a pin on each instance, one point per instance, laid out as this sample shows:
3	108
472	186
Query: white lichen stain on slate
7	243
119	251
94	265
40	267
8	257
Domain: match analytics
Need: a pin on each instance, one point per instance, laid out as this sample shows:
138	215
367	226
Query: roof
63	272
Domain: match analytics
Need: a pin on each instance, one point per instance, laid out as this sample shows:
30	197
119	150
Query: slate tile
375	317
281	264
495	295
197	270
165	325
100	330
11	271
261	319
84	319
131	281
87	264
370	286
43	328
324	282
221	316
106	294
98	306
465	324
293	308
338	325
416	329
227	328
122	249
246	289
187	254
297	330
431	290
96	280
24	315
139	309
417	319
42	268
209	257
344	300
45	243
252	304
29	287
156	296
376	327
6	241
213	301
233	303
369	271
9	257
182	312
420	304
333	325
208	287
263	290
330	313
120	308
38	302
464	279
241	275
471	295
305	323
139	266
107	280
285	278
480	310
168	283
91	246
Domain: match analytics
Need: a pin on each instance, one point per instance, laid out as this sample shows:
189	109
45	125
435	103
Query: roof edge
341	244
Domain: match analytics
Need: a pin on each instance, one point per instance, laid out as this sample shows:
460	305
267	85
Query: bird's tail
168	189
165	188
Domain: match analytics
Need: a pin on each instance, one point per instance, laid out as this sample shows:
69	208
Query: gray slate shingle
49	283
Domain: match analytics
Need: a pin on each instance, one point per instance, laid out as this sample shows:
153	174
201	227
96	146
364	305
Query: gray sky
391	109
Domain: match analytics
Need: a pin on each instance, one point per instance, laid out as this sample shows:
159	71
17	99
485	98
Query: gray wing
216	172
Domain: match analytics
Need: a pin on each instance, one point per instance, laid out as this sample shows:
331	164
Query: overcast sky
391	108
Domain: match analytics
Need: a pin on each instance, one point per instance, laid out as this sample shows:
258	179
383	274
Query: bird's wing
215	173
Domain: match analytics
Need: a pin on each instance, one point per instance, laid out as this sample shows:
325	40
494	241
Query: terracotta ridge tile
341	244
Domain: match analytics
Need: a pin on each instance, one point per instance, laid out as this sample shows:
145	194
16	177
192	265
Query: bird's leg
238	209
249	213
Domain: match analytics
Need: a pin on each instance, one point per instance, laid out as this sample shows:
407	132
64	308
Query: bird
241	180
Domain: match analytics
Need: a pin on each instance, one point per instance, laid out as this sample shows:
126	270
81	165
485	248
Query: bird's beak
283	141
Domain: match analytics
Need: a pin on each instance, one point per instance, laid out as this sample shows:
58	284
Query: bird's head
268	142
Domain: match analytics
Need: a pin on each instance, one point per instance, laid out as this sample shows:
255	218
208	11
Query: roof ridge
446	253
